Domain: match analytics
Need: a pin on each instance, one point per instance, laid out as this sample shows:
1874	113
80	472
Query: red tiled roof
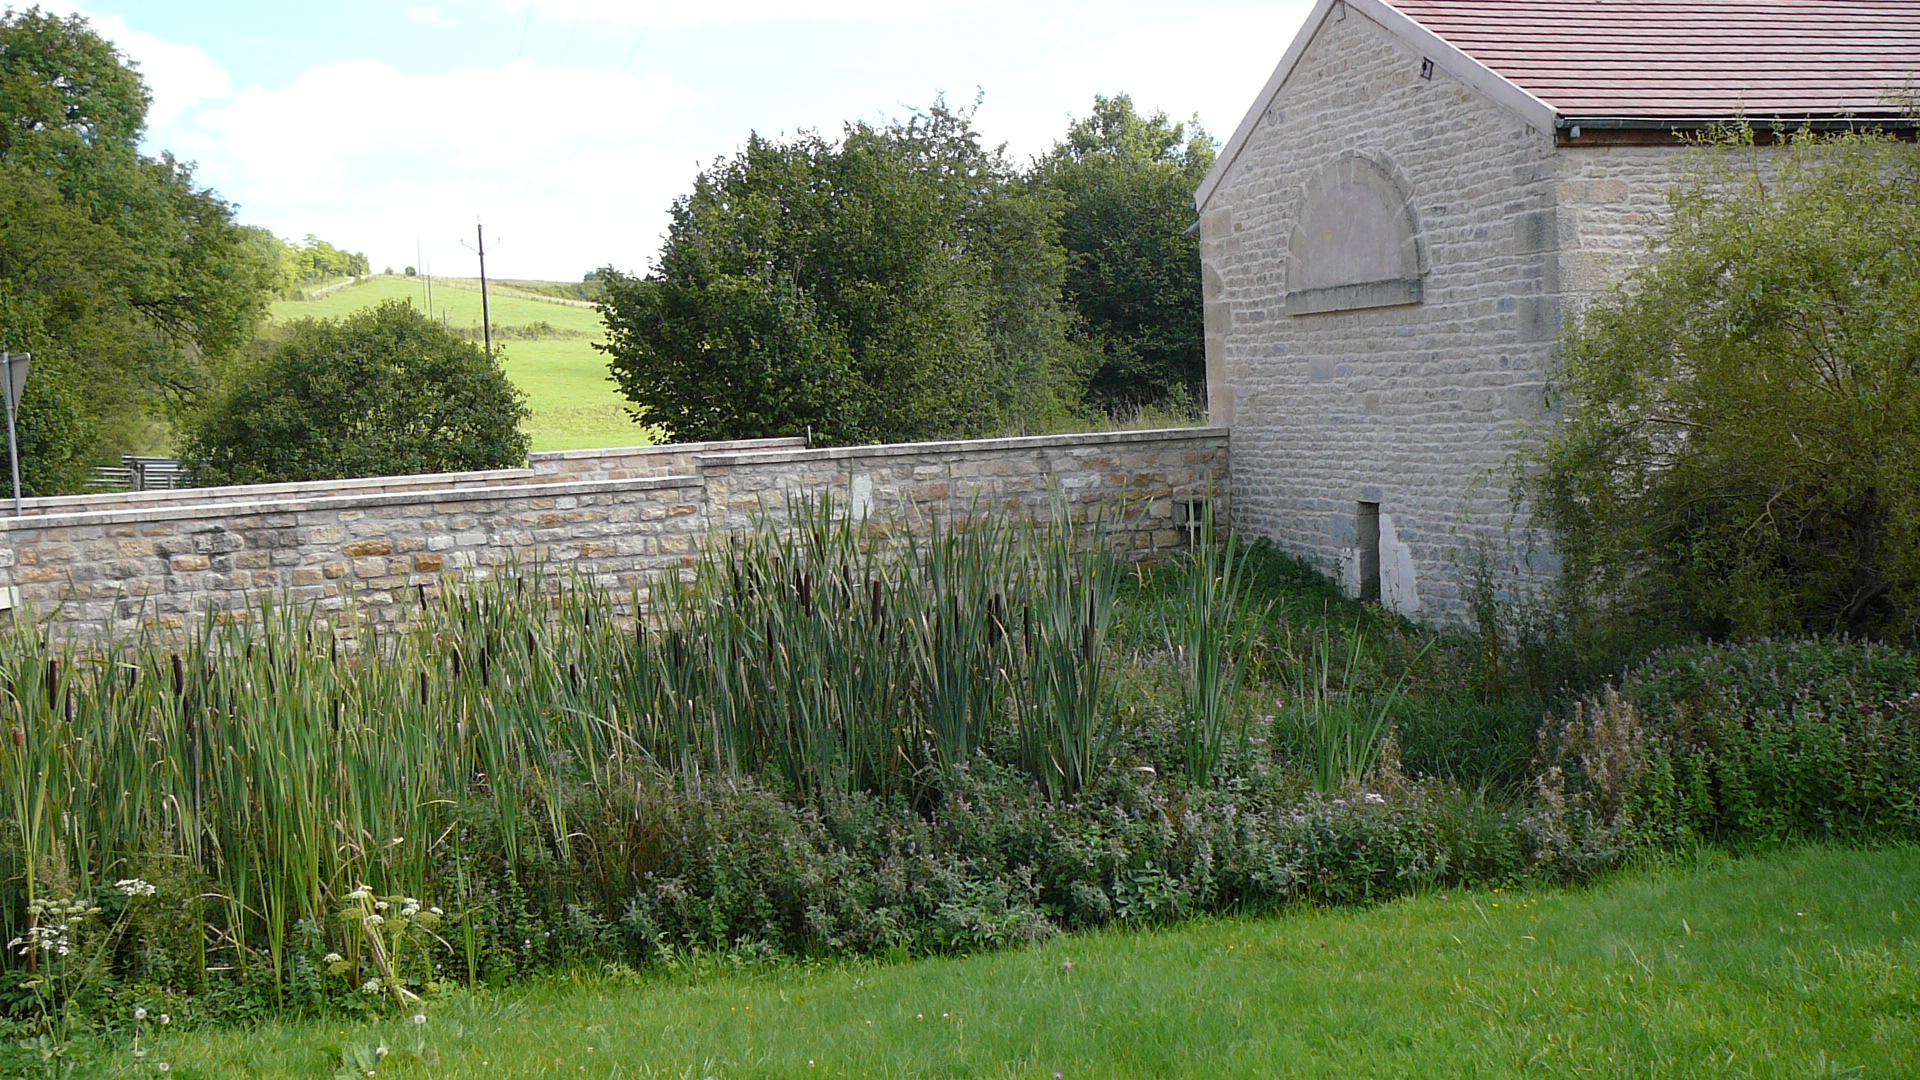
1691	59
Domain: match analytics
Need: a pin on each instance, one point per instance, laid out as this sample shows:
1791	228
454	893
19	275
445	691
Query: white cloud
180	76
427	16
665	14
558	161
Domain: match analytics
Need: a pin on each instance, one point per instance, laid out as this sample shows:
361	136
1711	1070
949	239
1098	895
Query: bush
1738	450
384	391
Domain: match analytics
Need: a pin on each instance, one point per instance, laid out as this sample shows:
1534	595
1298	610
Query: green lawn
574	403
1798	964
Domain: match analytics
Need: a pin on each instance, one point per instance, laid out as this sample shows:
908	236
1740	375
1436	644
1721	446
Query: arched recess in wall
1355	243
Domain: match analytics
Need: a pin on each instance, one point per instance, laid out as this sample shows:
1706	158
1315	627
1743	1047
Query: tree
1124	183
130	284
383	391
898	284
1741	442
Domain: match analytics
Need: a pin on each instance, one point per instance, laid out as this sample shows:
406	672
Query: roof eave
1498	88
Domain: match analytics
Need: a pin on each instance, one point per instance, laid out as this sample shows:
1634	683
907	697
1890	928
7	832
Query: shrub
1738	450
384	391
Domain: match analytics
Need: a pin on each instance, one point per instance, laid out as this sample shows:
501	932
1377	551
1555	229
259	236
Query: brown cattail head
53	683
19	737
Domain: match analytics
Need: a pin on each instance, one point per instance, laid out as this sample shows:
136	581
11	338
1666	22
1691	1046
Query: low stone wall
621	518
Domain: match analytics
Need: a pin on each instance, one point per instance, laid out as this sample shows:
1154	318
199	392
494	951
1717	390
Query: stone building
1394	234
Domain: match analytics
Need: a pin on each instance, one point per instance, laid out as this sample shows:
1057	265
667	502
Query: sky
569	126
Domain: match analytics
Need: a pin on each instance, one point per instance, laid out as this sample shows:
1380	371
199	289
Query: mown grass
1800	963
575	404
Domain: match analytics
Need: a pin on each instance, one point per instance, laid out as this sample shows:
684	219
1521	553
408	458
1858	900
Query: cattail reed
285	772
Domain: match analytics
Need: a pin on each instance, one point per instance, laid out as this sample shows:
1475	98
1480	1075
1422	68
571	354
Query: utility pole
486	320
16	381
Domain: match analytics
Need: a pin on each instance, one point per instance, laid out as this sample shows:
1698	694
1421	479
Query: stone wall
163	562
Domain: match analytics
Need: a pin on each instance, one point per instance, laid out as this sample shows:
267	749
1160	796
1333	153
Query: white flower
436	911
381	1051
140	1013
361	894
371	986
1376	800
161	1066
419	1018
379	905
376	920
165	1019
133	886
332	958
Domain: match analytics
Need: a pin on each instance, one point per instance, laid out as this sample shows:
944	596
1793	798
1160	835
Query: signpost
16	381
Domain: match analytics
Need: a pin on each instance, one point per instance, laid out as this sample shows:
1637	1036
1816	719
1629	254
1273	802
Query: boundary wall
94	565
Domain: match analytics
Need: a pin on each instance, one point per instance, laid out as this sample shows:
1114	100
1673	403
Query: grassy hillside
574	402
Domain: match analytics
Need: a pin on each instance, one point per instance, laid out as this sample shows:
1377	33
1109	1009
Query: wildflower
371	986
332	958
376	920
133	886
165	1019
1375	799
161	1066
379	905
381	1051
140	1013
1066	965
362	893
421	1018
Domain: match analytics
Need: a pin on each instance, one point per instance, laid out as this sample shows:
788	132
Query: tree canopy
383	391
128	282
907	282
1124	186
899	283
1741	442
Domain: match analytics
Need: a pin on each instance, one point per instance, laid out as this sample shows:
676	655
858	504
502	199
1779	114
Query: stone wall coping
225	494
413	497
664	449
961	446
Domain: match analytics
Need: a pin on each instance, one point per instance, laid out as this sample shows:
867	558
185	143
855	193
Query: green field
574	402
1801	963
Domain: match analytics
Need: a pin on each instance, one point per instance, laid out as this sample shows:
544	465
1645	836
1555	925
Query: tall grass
273	768
1206	636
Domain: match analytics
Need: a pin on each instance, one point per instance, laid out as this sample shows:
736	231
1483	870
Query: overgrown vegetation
1738	452
823	743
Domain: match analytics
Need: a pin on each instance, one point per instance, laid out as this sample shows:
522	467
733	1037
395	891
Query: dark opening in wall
1370	551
